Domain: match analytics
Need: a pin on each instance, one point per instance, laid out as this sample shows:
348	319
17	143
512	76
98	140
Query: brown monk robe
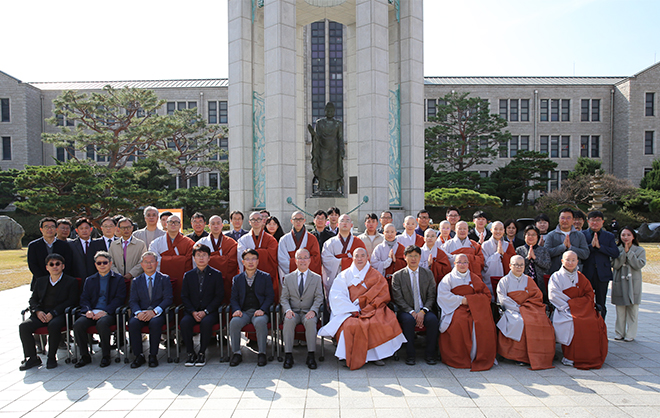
175	255
468	337
440	266
371	334
223	256
526	333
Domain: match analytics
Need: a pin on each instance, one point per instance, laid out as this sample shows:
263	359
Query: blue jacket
91	290
211	296
599	263
161	293
263	289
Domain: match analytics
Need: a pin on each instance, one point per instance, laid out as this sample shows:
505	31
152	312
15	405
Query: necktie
150	287
125	245
300	285
416	291
86	246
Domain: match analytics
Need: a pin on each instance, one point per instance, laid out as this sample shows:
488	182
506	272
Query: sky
74	40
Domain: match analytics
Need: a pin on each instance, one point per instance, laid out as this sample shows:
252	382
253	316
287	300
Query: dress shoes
236	359
84	361
105	361
30	363
139	361
288	360
51	363
153	361
262	360
379	363
431	361
410	361
311	361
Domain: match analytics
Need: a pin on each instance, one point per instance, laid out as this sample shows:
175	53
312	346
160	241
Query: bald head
345	225
360	258
462	263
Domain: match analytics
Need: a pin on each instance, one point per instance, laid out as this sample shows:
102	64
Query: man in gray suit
563	238
302	295
414	293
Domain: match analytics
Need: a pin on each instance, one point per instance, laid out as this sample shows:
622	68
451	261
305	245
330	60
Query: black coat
66	296
213	291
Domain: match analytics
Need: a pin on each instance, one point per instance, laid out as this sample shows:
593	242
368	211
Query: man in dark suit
202	293
40	248
102	294
598	267
302	296
198	223
83	259
414	293
151	295
52	295
251	298
320	232
108	228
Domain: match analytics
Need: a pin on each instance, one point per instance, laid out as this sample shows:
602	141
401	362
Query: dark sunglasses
55	264
102	263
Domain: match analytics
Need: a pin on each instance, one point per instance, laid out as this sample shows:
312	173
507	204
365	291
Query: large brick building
613	119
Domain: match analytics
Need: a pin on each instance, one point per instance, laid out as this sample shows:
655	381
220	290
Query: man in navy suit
108	227
83	259
251	298
151	295
202	293
41	248
598	267
102	294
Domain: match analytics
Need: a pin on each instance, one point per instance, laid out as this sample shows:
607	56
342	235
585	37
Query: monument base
314	203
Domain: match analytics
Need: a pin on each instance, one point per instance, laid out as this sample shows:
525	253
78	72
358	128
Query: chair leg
167	332
68	347
322	357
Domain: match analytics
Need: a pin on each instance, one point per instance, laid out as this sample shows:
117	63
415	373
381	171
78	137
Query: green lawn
14	271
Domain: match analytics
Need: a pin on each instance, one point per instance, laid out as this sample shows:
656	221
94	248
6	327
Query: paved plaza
627	385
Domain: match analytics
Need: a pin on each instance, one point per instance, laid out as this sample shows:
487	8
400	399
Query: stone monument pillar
270	107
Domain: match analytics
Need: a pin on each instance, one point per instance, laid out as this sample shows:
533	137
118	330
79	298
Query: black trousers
432	329
30	325
600	290
103	327
205	331
155	331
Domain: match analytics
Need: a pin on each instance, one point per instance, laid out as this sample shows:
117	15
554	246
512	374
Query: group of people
378	288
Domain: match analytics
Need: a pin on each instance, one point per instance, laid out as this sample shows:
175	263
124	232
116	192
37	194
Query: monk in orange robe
468	336
526	334
223	254
266	245
174	255
461	244
337	252
292	242
365	328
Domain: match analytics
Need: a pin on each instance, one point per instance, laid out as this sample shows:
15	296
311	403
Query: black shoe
288	360
236	359
410	361
253	345
105	361
51	363
30	363
311	361
139	361
431	361
201	360
84	361
191	360
261	360
153	361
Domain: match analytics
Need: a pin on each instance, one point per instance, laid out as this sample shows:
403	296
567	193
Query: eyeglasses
48	227
102	263
517	265
255	220
298	219
55	264
174	222
126	228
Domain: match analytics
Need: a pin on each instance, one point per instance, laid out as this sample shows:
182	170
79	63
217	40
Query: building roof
524	81
142	84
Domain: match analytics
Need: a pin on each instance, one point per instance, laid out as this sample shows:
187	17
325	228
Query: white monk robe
495	264
426	251
334	260
287	246
562	319
380	258
342	308
475	255
406	240
511	322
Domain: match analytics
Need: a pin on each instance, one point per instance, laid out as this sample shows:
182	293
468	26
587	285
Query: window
65	154
515	145
327	44
213	180
524	110
556	146
565	110
590	110
554	110
544	110
556	178
483	174
590	146
565	146
193	181
171	107
504	109
544	144
647	170
217	112
650	104
648	142
513	110
213	112
431	108
6	148
4	110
